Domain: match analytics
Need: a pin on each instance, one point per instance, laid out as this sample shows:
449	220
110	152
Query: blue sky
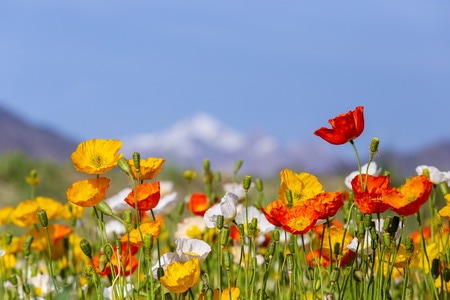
111	69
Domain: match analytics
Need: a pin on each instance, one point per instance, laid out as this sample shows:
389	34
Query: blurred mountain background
184	146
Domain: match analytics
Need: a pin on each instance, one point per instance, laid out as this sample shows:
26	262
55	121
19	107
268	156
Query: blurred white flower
127	291
192	227
226	208
436	176
373	170
2	252
192	248
236	188
117	201
168	201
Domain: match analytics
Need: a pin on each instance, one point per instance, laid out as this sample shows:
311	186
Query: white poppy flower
236	188
108	291
192	248
263	225
192	227
226	208
166	204
436	176
373	170
117	201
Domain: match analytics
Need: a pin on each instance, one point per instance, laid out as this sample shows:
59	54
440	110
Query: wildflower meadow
369	240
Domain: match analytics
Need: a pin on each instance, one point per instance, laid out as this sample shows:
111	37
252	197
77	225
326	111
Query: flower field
370	240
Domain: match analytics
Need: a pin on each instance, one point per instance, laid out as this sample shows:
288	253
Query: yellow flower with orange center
303	186
25	214
149	168
179	277
135	236
89	192
96	156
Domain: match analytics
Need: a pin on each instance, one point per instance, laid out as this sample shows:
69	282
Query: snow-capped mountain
190	141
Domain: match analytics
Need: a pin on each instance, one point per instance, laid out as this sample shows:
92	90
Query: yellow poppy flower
70	210
303	186
5	214
96	156
25	214
149	168
52	207
235	292
88	192
179	277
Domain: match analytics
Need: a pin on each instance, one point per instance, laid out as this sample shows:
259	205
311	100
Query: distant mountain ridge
188	142
16	135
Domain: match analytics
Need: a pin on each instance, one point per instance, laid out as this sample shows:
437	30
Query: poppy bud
137	161
241	230
426	172
334	275
124	165
387	239
148	241
443	187
108	251
218	177
26	288
271	248
292	243
127	216
276	235
358	275
409	245
219	222
189	175
290	202
435	268
446	274
32	179
226	259
387	223
206	165
368	221
8	238
290	262
104	208
103	260
224	235
86	248
374	145
27	245
246	182
259	184
13	279
42	216
238	165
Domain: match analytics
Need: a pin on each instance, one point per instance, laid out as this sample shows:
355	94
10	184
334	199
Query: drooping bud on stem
104	208
124	165
86	248
238	165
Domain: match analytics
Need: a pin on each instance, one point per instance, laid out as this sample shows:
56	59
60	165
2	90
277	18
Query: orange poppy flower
408	199
135	236
344	128
96	156
273	212
326	204
56	232
89	192
370	199
149	168
316	255
147	196
334	235
128	260
198	204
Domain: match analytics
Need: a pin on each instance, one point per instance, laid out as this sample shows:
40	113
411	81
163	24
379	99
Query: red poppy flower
147	196
345	127
408	199
198	204
370	200
128	260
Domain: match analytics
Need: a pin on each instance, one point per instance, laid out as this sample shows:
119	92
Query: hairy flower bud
104	208
246	182
290	202
224	236
276	235
290	262
137	161
124	165
227	259
443	187
86	248
220	221
108	249
42	216
238	165
374	145
27	245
